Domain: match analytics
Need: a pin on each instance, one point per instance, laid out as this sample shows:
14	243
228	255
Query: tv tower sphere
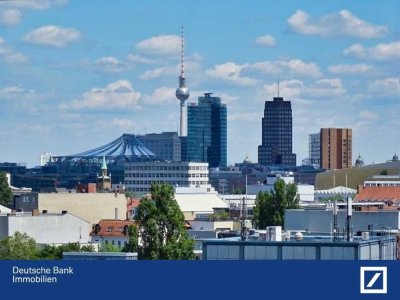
182	92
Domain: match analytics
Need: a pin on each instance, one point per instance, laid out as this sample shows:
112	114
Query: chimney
35	212
116	213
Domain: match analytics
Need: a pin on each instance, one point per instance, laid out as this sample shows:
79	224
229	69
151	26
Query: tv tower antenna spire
182	92
182	51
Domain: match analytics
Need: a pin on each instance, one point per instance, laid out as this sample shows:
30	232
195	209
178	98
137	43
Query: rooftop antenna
182	48
182	93
278	87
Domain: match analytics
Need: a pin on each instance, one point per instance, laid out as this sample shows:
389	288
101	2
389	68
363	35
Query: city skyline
77	75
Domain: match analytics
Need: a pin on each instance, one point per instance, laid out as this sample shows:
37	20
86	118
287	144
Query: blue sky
75	75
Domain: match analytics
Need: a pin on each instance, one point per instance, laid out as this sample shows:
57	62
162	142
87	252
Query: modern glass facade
166	145
207	131
276	147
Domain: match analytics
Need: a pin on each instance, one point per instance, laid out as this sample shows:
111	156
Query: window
109	229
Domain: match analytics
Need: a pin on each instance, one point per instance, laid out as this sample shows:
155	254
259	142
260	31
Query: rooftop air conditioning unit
274	233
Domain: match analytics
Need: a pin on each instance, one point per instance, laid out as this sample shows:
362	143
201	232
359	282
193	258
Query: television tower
182	93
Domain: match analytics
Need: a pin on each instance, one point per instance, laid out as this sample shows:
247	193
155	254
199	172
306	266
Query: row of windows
167	168
167	175
149	182
119	243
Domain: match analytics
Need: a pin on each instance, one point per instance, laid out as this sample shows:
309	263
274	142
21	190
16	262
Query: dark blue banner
200	279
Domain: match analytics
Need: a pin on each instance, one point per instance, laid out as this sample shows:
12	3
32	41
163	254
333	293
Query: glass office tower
207	131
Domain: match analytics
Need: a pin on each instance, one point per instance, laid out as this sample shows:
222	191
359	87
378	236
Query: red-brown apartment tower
336	148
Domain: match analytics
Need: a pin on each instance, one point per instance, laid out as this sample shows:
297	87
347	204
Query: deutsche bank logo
373	280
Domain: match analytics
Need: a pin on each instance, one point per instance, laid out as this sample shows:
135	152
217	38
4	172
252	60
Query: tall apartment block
336	148
207	131
276	147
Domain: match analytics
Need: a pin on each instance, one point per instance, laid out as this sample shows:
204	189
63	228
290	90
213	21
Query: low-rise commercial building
307	249
139	176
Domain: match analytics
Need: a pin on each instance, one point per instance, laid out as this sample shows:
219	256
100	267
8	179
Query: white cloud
191	67
331	87
294	67
300	92
160	45
160	72
9	55
16	93
139	59
266	40
386	86
111	64
33	4
342	23
298	67
52	35
231	72
116	95
349	69
162	95
367	115
379	52
123	123
10	17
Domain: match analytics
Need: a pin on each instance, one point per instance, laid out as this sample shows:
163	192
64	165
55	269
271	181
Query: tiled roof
111	228
132	203
379	193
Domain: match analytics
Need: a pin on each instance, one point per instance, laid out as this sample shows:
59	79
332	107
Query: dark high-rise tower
276	147
207	131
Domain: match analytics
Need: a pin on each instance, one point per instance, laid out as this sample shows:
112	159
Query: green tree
132	245
18	246
221	216
56	252
270	206
108	247
5	191
161	227
384	172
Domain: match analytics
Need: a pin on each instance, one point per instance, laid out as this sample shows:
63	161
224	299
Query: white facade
119	241
46	228
45	158
139	176
305	192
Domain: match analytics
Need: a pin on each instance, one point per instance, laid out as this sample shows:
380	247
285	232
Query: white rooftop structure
336	191
193	204
4	210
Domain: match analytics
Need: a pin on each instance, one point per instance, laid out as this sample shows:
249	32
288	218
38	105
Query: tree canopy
18	246
161	227
270	206
5	191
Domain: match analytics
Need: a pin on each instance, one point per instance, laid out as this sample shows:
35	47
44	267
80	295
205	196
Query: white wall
49	229
91	207
305	192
